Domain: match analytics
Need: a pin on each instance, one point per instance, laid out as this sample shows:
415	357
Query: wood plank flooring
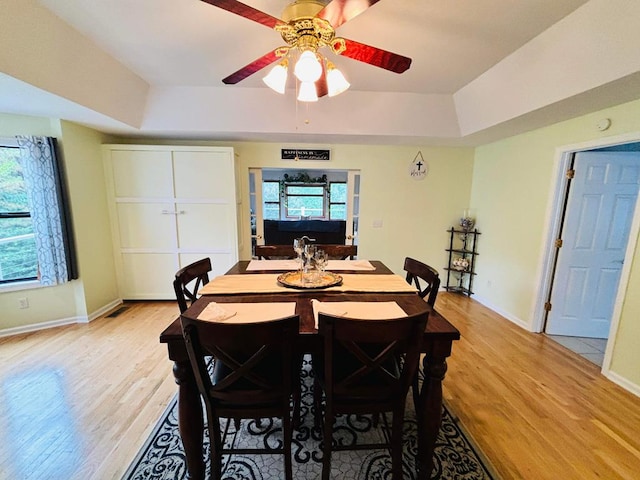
78	401
537	410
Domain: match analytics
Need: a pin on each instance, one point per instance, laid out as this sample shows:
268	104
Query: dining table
256	281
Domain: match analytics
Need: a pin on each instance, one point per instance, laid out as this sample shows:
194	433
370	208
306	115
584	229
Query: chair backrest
340	252
371	362
417	271
268	252
186	291
253	361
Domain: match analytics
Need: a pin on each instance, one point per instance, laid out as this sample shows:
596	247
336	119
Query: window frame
322	195
265	203
330	203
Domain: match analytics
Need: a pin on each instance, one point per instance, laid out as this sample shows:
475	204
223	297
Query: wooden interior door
600	209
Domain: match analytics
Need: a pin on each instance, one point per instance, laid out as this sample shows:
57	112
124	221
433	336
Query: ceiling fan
306	26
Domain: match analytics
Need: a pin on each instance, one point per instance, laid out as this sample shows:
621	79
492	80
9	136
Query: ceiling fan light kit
336	82
307	26
308	68
276	79
307	92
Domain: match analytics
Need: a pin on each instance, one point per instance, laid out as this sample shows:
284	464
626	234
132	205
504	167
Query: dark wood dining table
437	345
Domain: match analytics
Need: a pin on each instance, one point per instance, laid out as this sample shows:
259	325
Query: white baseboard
61	322
623	382
42	326
107	308
502	313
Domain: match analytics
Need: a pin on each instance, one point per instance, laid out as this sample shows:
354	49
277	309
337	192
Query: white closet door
170	206
206	205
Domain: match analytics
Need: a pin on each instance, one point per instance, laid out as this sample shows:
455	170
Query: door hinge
571	173
547	306
558	243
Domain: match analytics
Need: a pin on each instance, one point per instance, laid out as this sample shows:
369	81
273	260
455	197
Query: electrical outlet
377	223
23	302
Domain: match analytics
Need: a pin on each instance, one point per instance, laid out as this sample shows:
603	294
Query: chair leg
327	437
215	449
287	430
416	389
317	403
396	445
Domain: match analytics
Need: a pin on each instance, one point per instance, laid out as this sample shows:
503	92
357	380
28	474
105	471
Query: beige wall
415	214
512	188
85	298
85	175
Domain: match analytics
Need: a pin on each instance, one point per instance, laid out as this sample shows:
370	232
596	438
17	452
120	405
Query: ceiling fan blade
338	12
245	11
253	67
376	56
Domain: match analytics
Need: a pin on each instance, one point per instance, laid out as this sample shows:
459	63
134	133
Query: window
338	201
18	255
305	200
271	200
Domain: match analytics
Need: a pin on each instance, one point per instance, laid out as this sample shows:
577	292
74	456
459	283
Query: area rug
162	456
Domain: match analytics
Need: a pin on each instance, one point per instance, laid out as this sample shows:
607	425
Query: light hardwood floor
77	402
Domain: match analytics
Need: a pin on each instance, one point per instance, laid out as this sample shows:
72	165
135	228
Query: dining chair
340	252
366	367
271	252
186	291
253	378
335	252
417	272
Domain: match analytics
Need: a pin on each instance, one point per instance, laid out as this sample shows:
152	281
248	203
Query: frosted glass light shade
336	83
276	79
307	92
308	68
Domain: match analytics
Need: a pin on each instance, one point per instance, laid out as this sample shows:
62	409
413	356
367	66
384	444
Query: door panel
145	275
599	212
206	226
204	175
142	173
144	225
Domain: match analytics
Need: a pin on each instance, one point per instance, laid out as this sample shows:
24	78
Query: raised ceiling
481	70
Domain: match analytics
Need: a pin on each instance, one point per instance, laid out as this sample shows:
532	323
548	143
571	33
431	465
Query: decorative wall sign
305	154
418	168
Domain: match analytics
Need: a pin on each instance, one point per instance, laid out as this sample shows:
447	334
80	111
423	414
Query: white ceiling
481	69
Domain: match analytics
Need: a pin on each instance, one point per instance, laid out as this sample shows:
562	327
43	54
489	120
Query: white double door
170	207
599	211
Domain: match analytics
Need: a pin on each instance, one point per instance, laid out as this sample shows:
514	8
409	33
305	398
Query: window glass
338	192
271	200
337	212
305	201
271	191
304	190
18	257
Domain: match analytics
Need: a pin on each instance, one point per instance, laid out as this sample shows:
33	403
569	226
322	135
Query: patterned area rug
162	457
